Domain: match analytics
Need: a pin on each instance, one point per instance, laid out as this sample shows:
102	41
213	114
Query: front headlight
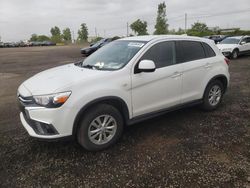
53	100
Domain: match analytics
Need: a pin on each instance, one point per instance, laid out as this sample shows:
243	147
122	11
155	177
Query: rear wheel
213	95
100	127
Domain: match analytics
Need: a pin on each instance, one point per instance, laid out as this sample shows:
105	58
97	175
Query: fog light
44	129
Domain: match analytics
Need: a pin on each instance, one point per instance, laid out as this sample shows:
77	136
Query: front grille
26	101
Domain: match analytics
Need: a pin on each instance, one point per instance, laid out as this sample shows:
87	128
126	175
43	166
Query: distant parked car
93	47
48	43
216	38
9	44
36	43
1	45
234	46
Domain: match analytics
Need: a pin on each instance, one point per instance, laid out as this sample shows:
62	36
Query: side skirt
151	115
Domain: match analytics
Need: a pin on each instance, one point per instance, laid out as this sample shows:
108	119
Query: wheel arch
236	49
220	77
117	102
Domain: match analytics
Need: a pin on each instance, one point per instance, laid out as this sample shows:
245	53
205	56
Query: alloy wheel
102	129
214	95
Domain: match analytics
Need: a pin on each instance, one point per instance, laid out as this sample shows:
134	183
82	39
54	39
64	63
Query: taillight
226	61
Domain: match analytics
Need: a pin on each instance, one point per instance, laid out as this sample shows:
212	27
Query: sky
21	18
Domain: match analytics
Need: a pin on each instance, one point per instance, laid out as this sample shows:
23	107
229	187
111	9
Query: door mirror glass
243	42
146	66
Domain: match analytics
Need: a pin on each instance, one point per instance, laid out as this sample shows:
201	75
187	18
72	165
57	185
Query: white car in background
124	82
234	46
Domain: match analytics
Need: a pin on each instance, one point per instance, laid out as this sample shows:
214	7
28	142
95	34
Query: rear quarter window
189	51
208	50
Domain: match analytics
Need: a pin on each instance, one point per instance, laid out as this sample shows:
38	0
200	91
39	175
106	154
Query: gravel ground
186	148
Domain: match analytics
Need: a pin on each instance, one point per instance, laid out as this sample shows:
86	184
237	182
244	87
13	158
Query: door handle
208	65
176	74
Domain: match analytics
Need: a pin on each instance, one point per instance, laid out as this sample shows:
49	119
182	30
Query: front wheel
235	54
100	127
213	95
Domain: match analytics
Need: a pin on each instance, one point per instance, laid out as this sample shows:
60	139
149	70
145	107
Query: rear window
208	50
189	51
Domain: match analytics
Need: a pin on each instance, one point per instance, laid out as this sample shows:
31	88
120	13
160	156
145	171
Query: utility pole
127	29
73	33
95	32
185	22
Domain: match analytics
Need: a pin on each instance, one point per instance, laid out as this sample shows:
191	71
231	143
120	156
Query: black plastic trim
161	112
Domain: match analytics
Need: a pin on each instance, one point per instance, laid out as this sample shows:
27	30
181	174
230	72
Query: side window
243	40
189	51
163	54
248	40
208	50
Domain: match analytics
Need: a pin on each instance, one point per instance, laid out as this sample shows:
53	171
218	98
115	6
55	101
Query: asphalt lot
186	148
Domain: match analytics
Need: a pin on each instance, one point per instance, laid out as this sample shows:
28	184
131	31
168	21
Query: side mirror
243	42
91	44
146	66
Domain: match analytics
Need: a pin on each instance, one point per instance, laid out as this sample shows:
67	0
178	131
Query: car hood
224	46
57	79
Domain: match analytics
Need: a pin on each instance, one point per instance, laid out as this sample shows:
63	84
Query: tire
211	100
91	133
235	54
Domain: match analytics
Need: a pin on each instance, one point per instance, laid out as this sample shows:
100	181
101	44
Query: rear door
192	55
159	89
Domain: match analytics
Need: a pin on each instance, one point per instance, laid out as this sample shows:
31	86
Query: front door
159	89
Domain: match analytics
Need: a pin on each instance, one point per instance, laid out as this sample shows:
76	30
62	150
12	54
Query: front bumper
46	123
227	53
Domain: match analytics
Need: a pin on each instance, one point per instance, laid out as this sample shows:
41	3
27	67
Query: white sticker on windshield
99	64
136	44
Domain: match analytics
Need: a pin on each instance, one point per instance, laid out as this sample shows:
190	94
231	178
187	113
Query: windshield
230	41
113	56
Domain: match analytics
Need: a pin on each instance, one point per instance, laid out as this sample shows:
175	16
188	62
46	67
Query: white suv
235	46
124	82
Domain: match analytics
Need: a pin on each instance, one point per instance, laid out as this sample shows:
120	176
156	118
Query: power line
180	18
220	14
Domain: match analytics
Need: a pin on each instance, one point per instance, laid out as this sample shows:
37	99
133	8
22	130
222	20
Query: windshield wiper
90	66
79	63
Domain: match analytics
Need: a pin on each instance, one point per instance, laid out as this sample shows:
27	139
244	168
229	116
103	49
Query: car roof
148	38
236	37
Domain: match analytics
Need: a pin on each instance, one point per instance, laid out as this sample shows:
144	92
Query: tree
41	38
180	31
33	37
139	27
161	26
55	31
199	29
67	35
83	33
56	34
